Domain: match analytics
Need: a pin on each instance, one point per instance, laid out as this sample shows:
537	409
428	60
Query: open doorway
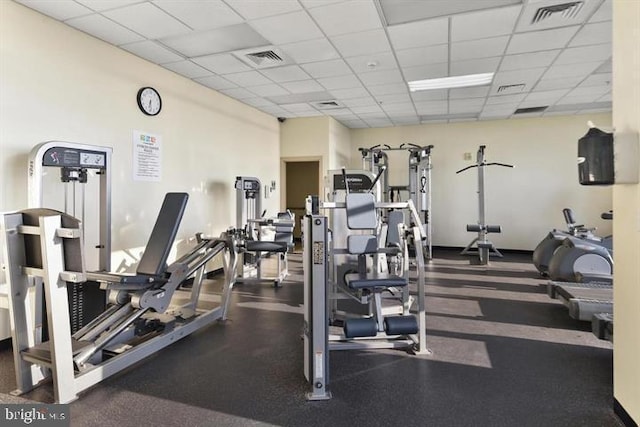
302	178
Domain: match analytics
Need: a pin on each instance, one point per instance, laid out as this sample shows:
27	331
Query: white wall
626	205
527	200
59	83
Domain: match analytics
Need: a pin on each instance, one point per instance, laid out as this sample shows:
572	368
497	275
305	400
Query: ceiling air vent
327	105
568	10
530	110
262	57
509	89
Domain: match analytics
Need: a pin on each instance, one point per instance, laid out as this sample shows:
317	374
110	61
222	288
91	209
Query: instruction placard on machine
147	156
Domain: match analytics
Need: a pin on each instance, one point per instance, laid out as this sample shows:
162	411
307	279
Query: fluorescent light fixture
451	82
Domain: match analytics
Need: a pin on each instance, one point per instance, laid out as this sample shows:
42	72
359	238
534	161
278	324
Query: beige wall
626	204
527	200
59	83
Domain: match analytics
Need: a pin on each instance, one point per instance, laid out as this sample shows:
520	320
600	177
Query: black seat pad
266	246
374	280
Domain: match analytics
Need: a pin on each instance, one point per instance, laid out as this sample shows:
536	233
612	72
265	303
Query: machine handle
346	183
380	172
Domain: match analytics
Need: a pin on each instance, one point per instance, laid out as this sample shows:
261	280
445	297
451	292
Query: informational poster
147	156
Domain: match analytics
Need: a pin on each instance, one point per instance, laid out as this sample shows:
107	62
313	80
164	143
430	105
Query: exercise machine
367	263
481	245
147	310
545	250
259	236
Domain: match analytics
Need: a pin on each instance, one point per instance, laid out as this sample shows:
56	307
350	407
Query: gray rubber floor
504	354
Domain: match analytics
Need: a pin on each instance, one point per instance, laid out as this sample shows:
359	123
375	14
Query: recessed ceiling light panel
452	82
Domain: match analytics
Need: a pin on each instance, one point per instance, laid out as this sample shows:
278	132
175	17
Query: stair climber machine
545	250
581	270
365	260
483	246
146	311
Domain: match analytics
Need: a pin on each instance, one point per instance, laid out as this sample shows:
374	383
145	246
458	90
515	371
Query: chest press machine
400	328
147	310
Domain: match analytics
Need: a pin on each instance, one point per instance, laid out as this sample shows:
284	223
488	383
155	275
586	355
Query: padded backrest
284	232
154	259
362	244
361	211
568	216
394	219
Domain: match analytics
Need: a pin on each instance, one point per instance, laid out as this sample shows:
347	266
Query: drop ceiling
351	59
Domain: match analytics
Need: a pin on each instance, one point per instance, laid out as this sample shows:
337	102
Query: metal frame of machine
147	312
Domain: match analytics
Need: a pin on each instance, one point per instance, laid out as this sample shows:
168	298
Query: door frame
283	176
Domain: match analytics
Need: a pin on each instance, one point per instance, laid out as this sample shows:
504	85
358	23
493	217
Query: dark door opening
302	179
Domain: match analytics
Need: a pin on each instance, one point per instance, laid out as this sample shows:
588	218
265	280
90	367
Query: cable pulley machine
481	245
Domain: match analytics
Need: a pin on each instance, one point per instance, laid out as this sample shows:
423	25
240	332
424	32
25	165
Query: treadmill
584	300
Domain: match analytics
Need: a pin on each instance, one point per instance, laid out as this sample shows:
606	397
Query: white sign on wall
147	156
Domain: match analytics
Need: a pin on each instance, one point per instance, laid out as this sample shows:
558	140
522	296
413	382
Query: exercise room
319	212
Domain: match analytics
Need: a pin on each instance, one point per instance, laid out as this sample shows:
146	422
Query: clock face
149	101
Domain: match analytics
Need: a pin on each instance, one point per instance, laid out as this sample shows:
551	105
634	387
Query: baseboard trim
624	416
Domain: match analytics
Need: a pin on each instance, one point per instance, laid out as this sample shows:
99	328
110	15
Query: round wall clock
149	101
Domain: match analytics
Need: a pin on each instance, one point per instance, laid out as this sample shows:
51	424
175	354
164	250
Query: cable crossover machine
483	246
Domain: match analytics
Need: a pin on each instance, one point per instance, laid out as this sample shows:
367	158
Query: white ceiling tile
595	91
465	119
528	77
355	124
528	115
218	40
582	99
187	69
603	79
340	112
310	113
571	70
561	83
605	68
310	4
483	24
506	99
105	29
573	55
419	33
359	92
298	107
505	108
100	5
152	51
528	60
348	81
335	67
479	48
405	120
148	20
202	14
310	51
432	107
549	96
423	55
424	72
393	98
381	77
600	32
605	98
289	73
541	40
402	107
258	102
559	113
346	17
367	109
459	106
346	117
534	103
259	9
430	95
372	62
276	111
248	78
303	86
378	123
222	63
408	11
238	93
498	115
269	90
364	43
474	66
468	92
57	9
604	12
215	82
359	102
288	28
388	89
